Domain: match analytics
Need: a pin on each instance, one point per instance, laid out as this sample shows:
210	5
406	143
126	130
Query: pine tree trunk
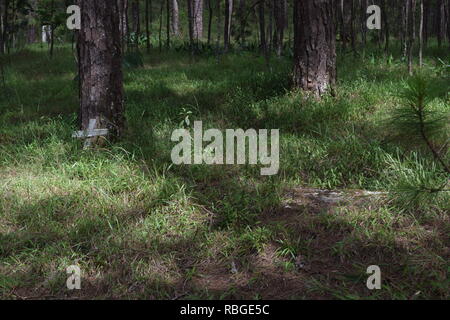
2	44
195	16
136	22
175	18
210	20
100	66
228	20
123	22
242	22
168	23
280	22
421	35
148	9
314	46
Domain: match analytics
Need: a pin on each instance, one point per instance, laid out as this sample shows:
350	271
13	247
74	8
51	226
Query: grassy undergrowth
140	227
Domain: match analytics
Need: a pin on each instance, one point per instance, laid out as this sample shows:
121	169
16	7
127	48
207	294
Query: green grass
140	227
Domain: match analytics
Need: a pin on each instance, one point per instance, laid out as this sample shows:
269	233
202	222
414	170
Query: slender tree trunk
426	20
147	24
123	20
352	26
2	9
262	26
385	17
100	66
6	26
405	22
314	46
410	34
210	20
136	10
52	28
175	18
168	23
421	35
242	22
280	22
228	21
441	21
343	28
219	25
161	25
363	10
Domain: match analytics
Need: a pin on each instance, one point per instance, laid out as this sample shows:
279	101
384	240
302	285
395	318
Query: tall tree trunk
210	20
136	22
314	46
441	22
148	18
100	66
2	9
175	18
410	34
385	18
195	15
343	28
123	22
242	22
228	20
168	24
52	28
352	26
280	22
421	35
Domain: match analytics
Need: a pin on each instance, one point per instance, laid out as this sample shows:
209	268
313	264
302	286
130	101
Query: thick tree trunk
195	17
100	66
314	46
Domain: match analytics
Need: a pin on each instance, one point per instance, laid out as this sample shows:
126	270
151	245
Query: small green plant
416	121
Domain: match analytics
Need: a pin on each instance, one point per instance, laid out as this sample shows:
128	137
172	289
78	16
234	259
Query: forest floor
142	228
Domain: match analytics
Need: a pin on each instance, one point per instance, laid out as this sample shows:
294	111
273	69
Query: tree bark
148	17
123	22
210	20
195	17
136	13
410	33
421	35
228	21
175	18
168	23
2	9
100	66
314	46
280	23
